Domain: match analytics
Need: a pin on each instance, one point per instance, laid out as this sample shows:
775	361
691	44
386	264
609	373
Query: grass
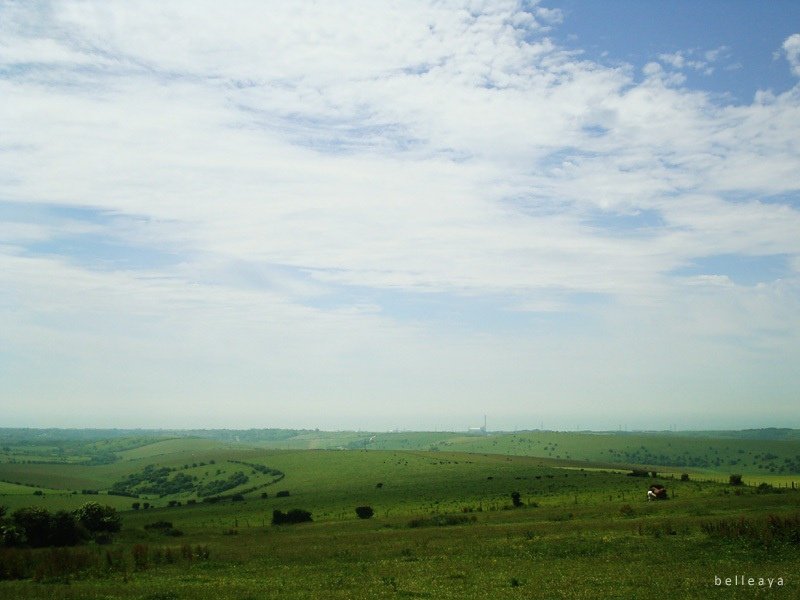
443	527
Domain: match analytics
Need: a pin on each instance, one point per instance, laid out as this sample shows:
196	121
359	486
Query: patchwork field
444	523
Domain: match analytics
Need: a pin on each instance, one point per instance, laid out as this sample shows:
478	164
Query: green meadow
444	523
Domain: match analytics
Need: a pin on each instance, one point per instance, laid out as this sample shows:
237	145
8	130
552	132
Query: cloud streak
287	178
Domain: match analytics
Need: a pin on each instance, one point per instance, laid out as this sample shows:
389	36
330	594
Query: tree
136	506
34	522
735	479
515	499
295	515
64	529
364	512
98	519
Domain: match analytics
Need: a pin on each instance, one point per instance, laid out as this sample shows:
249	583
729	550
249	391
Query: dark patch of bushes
291	517
36	527
282	494
165	528
638	473
213	488
60	565
364	512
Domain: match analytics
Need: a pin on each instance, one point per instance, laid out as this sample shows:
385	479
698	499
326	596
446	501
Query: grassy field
444	524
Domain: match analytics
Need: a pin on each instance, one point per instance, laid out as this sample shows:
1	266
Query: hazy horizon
560	214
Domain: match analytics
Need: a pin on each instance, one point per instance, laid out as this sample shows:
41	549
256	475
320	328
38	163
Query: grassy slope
708	453
575	544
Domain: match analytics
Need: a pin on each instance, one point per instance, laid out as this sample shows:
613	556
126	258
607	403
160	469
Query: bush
735	479
638	473
97	519
34	524
282	494
165	528
292	517
684	477
515	499
364	512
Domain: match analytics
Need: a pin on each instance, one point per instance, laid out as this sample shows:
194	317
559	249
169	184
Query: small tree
684	477
364	512
136	506
515	499
735	479
98	519
64	529
35	523
295	515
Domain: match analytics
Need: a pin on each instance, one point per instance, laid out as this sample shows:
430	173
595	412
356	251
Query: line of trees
36	527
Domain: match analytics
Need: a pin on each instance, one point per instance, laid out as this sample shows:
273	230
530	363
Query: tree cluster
291	517
36	527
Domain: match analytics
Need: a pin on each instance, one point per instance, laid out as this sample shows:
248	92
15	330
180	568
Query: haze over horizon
400	215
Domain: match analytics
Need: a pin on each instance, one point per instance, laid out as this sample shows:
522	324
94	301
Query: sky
400	215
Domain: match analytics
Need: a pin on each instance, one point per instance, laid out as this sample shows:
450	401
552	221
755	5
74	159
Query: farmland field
444	523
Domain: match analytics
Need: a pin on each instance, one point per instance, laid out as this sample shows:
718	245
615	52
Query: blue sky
400	215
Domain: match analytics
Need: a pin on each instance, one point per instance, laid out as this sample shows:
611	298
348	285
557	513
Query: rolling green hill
444	524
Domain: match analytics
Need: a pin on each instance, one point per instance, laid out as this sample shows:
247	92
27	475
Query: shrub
97	519
638	473
35	523
165	528
684	477
735	479
292	517
136	506
282	494
515	499
364	512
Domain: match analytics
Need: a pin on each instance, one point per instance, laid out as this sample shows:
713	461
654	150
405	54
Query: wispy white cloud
301	164
695	59
791	47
